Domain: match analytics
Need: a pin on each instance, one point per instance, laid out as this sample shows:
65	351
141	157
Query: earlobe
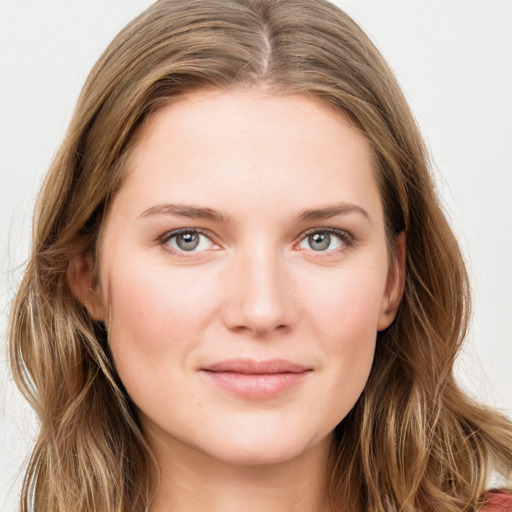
394	285
81	283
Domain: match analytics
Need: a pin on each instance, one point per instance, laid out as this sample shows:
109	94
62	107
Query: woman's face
244	275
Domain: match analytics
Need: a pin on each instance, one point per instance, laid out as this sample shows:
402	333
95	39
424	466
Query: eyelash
164	240
347	239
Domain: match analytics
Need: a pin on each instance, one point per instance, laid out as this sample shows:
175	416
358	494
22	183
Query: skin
255	287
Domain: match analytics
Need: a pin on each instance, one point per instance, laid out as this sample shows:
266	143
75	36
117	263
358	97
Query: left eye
321	241
188	241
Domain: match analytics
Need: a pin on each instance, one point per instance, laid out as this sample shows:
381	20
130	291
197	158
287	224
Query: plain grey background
452	57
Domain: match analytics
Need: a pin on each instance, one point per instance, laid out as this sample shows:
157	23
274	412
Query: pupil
319	241
188	241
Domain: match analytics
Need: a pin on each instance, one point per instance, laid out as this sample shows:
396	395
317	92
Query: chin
267	449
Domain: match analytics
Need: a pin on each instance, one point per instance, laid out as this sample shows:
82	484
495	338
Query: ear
81	283
394	285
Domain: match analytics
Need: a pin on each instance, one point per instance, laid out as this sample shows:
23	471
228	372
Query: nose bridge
259	296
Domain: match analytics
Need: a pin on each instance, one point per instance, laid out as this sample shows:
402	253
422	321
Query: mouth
251	379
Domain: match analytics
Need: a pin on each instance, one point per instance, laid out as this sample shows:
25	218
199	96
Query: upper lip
252	367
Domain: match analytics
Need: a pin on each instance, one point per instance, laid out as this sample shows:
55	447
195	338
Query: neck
193	481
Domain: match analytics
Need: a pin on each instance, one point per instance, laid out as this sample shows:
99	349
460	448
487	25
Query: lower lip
256	386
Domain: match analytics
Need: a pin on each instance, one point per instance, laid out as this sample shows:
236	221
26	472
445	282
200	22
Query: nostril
263	304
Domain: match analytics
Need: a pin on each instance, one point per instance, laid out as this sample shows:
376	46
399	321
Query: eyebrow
196	212
185	210
332	211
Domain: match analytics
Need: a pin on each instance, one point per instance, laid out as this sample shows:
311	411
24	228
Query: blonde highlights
414	441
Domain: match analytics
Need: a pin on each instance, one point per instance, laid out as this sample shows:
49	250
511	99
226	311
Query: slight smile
255	380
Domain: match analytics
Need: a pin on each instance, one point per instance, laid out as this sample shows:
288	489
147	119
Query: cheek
346	303
156	314
343	315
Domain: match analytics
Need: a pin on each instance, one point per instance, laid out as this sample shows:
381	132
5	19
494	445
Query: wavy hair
414	441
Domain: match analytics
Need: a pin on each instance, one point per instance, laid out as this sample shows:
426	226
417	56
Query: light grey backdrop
454	61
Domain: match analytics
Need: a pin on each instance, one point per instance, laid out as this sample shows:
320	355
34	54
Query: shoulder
498	501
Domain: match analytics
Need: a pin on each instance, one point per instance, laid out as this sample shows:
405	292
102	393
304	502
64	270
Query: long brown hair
414	441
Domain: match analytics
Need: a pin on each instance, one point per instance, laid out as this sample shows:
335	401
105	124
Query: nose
259	295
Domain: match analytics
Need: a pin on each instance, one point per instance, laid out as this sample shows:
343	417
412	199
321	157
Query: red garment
498	502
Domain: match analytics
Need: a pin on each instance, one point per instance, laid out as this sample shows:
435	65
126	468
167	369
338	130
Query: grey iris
319	241
187	241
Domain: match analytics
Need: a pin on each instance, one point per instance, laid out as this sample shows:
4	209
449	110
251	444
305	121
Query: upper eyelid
175	232
343	234
325	230
209	234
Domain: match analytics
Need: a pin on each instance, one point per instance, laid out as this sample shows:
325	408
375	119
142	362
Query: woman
243	291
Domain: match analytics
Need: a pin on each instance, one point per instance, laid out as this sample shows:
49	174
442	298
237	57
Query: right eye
187	241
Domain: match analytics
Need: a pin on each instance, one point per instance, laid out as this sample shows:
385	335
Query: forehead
216	146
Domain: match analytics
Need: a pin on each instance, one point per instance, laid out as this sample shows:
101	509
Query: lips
247	378
249	366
